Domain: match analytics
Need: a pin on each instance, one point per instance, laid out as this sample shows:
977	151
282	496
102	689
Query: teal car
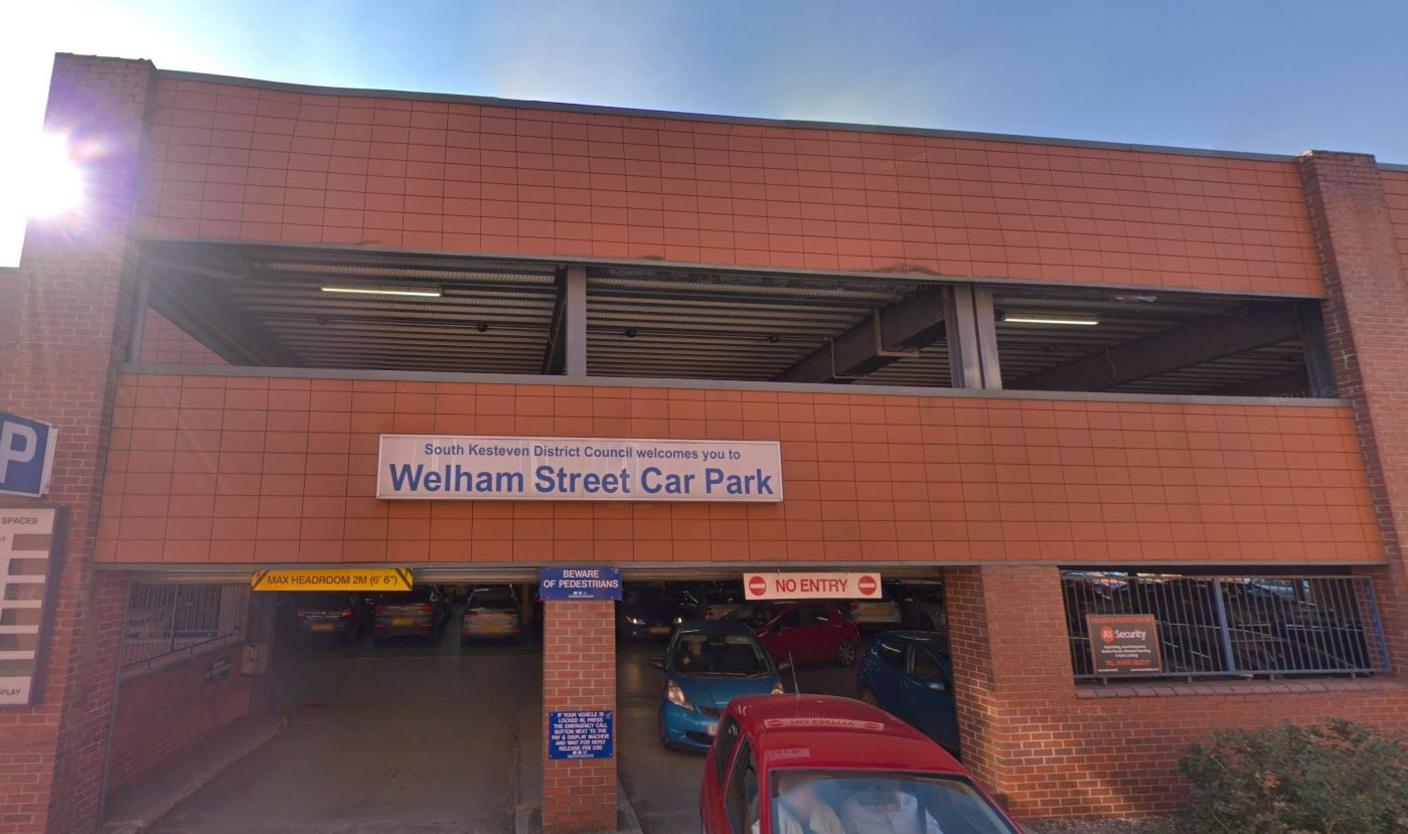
709	663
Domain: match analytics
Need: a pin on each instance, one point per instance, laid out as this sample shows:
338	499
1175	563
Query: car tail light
709	613
301	614
424	608
347	613
380	609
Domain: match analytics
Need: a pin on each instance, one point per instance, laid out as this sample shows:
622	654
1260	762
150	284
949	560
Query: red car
812	764
803	633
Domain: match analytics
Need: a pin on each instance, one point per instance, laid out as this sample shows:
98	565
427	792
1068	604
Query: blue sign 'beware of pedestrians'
580	583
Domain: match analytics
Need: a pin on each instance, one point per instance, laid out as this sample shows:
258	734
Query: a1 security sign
26	455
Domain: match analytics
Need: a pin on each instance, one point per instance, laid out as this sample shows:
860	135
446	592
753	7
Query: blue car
909	675
709	663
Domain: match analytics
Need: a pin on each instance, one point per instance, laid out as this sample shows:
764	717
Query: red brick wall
249	469
1366	281
1054	749
579	673
168	710
74	288
1395	185
234	161
163	343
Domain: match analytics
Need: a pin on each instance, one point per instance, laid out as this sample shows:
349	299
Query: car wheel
846	653
869	697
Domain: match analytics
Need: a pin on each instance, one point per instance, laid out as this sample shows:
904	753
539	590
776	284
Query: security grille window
168	619
1208	627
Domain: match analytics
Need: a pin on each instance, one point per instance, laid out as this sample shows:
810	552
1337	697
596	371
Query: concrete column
1366	306
75	292
579	674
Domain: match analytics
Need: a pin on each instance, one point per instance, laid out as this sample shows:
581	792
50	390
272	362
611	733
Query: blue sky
1277	77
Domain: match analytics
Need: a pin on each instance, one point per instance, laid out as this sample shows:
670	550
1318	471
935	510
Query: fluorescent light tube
1046	318
407	291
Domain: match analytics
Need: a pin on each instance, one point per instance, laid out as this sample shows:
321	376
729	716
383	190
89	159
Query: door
927	698
887	674
784	637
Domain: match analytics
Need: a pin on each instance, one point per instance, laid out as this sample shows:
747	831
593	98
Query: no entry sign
764	586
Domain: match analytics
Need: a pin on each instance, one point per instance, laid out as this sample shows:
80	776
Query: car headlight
635	621
675	695
679	620
778	690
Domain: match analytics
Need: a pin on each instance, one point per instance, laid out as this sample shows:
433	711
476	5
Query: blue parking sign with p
26	455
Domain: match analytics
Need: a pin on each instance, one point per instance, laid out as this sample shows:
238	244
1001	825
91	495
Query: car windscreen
892	803
495	602
719	654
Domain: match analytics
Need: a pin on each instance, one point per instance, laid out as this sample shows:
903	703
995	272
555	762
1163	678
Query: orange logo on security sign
1107	634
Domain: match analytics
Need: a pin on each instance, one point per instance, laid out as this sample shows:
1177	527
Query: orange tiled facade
214	469
185	469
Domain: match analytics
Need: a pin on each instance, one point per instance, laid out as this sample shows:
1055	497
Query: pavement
414	738
432	739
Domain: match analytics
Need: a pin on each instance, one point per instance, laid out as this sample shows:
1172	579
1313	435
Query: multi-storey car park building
1060	378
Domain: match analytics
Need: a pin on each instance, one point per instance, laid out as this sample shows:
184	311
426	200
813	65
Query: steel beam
575	321
1203	340
890	334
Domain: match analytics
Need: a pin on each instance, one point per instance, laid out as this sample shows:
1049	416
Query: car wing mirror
658	662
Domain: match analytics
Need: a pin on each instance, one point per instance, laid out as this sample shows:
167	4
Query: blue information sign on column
580	735
579	583
26	455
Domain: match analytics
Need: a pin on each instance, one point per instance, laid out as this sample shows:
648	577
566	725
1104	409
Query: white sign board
27	539
428	467
811	586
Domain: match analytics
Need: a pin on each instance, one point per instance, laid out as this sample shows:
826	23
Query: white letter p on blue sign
26	455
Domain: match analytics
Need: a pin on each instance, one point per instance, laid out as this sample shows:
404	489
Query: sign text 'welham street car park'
577	469
811	586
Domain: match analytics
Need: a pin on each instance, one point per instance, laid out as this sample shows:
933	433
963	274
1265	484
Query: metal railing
168	618
1235	626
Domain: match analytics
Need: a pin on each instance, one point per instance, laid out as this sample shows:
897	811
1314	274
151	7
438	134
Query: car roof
829	732
911	635
714	627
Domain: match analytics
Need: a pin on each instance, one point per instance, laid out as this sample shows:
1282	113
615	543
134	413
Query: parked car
490	612
909	675
793	763
803	633
922	606
709	663
647	612
419	612
878	613
332	614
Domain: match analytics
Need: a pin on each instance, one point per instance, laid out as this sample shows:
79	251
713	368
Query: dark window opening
1141	342
1246	626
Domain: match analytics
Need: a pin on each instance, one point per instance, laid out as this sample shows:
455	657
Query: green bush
1336	778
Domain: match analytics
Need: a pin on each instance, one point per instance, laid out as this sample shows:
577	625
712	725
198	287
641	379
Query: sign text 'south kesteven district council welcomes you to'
577	469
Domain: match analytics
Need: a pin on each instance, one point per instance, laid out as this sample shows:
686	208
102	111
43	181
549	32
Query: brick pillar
1011	662
579	673
74	293
1366	306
